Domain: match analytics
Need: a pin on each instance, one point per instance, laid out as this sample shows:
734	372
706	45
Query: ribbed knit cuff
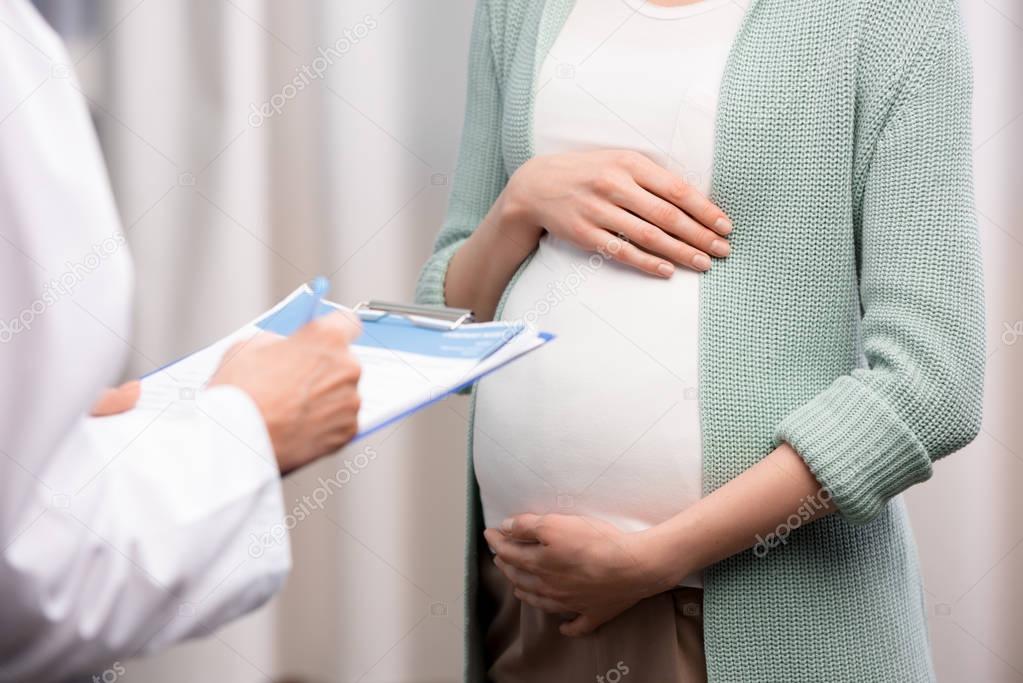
430	288
857	446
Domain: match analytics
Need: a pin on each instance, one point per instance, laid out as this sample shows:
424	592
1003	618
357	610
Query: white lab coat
113	542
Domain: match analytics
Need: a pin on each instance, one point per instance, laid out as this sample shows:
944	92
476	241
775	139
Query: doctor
108	555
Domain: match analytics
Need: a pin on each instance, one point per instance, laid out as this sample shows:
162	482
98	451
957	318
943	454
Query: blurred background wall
254	144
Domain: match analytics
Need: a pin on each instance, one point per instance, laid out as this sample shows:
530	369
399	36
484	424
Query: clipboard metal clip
432	317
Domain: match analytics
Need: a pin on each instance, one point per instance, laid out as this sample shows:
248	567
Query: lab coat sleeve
146	532
118	535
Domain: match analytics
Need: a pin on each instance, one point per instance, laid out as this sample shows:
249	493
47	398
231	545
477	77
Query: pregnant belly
603	421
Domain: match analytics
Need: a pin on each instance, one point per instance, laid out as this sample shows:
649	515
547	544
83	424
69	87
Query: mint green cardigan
848	320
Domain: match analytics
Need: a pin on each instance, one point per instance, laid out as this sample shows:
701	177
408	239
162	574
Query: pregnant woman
751	228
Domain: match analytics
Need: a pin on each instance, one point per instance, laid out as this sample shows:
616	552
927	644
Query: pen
319	285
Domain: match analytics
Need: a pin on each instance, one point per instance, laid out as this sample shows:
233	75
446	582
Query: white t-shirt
605	420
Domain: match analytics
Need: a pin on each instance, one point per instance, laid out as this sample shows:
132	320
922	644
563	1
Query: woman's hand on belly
588	567
575	565
592	198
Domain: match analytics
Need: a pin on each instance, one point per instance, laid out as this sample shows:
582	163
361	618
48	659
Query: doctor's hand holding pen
305	386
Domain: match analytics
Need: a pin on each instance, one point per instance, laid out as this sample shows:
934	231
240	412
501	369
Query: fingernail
701	262
492	551
723	225
665	270
506	525
720	248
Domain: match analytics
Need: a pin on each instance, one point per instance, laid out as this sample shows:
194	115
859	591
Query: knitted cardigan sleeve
480	174
875	432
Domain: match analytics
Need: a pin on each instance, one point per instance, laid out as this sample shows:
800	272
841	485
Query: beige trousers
658	640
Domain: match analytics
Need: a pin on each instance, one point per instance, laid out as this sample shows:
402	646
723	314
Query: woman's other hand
582	567
592	198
